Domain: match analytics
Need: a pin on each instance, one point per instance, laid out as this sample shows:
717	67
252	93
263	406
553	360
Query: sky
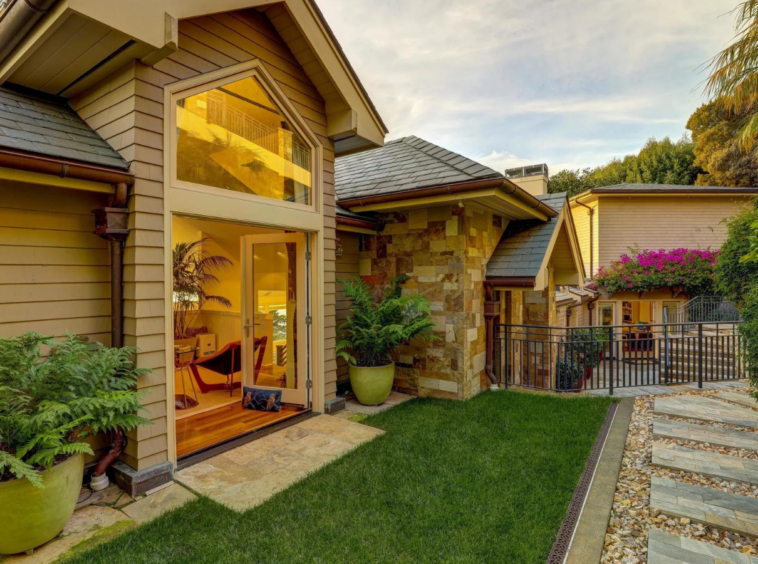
571	83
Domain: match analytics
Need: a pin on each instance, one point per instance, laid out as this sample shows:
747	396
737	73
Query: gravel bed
626	536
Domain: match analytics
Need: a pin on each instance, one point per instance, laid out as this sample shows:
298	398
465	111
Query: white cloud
500	78
499	161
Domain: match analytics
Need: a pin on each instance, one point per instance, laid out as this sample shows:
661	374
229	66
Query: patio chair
227	362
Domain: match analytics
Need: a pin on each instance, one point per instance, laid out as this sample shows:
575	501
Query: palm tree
192	272
734	74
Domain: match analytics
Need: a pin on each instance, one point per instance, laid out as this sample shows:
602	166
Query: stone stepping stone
665	548
706	463
731	512
738	398
703	434
705	409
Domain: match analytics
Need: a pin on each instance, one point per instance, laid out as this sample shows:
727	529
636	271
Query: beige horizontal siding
54	271
664	222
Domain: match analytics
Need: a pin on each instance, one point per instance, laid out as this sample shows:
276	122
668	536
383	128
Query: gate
571	359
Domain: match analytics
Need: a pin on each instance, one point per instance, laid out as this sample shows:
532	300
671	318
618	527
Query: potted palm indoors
373	332
47	410
192	273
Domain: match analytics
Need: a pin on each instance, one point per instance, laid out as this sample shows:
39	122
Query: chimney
532	178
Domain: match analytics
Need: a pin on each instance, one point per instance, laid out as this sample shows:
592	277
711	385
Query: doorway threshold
228	444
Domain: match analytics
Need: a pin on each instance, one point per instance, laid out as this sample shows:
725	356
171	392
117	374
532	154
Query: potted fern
370	336
48	407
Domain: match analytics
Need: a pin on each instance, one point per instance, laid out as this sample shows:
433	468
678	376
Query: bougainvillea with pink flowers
691	270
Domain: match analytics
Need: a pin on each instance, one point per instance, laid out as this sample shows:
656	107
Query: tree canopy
718	151
659	162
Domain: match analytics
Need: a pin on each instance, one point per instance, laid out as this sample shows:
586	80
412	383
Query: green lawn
488	480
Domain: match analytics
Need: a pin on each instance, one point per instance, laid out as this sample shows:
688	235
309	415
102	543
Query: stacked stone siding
445	251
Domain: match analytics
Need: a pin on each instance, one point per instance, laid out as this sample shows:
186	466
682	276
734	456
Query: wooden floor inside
207	429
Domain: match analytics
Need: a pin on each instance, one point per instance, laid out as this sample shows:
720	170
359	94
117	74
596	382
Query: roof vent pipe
17	17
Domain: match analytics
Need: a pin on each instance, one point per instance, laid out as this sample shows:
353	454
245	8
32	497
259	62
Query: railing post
610	360
666	354
506	368
700	355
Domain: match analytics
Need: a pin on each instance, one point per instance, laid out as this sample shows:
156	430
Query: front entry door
274	320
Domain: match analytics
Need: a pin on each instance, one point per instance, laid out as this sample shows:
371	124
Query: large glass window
234	137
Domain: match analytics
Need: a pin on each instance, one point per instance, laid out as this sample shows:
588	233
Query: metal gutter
355	222
63	168
17	20
511	281
456	188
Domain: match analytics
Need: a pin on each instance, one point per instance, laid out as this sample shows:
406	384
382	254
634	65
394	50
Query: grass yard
488	480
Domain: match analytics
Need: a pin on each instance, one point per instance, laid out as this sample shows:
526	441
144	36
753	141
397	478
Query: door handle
247	327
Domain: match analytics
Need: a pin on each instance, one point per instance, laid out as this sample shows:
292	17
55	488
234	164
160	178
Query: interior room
235	330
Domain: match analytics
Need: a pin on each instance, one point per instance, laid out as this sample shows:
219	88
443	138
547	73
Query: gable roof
522	248
401	165
666	189
46	125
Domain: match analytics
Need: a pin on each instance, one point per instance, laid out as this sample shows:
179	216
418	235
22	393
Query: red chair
227	362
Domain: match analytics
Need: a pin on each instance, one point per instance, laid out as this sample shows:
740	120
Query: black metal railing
572	359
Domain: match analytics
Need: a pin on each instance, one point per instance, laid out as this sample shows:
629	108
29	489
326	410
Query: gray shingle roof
48	126
668	188
521	250
401	165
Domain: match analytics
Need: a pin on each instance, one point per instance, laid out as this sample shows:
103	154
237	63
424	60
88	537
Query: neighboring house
474	242
219	118
614	220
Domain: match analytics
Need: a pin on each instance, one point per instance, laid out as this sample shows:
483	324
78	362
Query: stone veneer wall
445	251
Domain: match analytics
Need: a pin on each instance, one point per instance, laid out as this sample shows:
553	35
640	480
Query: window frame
254	70
600	307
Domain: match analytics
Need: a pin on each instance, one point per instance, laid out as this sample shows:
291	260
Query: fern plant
376	328
49	406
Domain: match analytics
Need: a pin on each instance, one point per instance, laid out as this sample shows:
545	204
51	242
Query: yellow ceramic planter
372	384
29	516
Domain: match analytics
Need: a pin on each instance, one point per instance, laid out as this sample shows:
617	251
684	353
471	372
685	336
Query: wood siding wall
347	266
54	271
662	222
127	110
582	223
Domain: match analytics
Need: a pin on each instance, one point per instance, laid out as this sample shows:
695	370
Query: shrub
375	329
48	407
691	269
735	275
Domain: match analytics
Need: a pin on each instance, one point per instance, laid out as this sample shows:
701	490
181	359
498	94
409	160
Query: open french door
275	307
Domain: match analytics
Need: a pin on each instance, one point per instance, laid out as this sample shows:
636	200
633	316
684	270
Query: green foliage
734	75
48	406
718	152
192	266
588	345
735	275
659	162
375	329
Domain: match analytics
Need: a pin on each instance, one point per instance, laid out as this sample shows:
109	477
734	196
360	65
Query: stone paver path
247	476
705	409
665	548
706	463
738	398
724	436
727	511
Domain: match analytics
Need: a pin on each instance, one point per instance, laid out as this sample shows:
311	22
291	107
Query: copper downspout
457	188
115	231
591	213
63	168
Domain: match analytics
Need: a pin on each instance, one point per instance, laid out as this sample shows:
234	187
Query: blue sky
572	83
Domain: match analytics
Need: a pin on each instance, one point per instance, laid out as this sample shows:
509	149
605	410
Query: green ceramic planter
372	385
32	516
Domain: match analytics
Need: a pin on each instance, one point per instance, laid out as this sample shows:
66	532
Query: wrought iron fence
572	359
703	309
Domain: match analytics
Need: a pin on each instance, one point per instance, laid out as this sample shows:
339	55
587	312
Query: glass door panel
274	330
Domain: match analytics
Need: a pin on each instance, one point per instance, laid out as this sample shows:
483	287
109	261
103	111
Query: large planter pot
372	384
32	516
